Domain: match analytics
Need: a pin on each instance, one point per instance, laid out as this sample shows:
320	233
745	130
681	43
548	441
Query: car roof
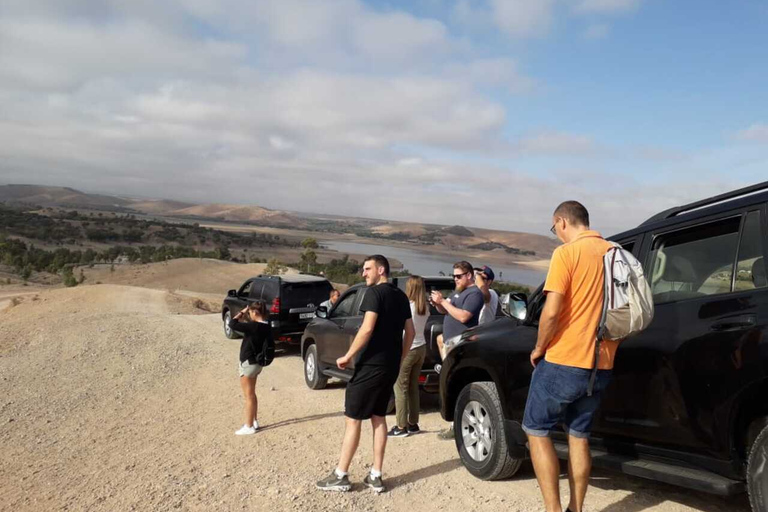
735	200
294	278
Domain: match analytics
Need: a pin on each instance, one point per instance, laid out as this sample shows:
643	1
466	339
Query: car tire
312	375
228	332
757	471
479	433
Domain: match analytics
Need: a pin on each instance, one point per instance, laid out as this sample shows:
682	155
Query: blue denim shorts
558	394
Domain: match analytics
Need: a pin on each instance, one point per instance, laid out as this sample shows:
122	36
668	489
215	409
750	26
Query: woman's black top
255	334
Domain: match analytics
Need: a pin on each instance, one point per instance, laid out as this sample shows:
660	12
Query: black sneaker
446	434
397	432
333	483
374	483
413	429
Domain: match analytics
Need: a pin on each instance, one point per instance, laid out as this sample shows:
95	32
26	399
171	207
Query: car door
673	382
336	331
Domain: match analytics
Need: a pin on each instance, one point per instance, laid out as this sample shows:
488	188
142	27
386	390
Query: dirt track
109	400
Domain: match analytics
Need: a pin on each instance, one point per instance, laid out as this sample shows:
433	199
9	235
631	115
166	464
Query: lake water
428	264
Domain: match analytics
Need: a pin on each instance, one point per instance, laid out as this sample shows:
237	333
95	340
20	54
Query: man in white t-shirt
484	279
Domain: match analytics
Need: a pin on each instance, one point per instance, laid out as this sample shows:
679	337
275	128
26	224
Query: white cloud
557	143
501	72
757	132
523	18
606	6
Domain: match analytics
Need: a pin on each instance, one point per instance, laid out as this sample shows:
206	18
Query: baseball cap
487	271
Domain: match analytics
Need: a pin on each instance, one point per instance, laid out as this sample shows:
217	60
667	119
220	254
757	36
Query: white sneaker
245	430
255	425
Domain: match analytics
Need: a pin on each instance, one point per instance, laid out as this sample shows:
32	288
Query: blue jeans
558	394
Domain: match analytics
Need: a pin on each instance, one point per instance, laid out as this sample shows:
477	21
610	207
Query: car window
269	293
750	268
344	307
300	295
246	289
694	262
256	289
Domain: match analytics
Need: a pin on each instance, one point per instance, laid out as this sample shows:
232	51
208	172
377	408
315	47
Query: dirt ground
117	397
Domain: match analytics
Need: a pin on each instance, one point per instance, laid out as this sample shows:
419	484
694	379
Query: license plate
303	316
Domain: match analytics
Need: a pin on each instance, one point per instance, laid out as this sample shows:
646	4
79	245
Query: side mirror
515	305
321	312
232	293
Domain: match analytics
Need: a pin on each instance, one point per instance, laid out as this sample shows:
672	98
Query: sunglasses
552	229
459	276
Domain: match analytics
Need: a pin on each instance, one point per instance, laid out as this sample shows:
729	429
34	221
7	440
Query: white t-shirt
419	324
488	313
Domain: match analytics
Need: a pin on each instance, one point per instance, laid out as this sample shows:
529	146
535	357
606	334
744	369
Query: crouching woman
253	322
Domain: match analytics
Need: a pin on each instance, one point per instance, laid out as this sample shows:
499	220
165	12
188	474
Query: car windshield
299	295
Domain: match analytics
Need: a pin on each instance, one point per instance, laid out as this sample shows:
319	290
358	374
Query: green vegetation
274	267
72	227
503	287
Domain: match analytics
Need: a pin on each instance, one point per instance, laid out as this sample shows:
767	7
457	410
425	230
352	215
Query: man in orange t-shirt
564	356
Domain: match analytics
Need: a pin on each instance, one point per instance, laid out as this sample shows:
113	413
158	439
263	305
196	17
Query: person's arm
437	300
484	286
361	339
462	315
547	325
243	327
410	333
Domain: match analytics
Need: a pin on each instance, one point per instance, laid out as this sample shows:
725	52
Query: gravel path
110	400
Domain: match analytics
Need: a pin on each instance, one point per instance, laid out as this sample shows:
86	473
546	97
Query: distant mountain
65	197
457	237
58	196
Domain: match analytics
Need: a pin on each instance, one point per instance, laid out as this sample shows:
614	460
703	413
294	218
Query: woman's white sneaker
245	430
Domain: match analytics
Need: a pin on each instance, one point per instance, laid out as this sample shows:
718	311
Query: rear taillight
275	306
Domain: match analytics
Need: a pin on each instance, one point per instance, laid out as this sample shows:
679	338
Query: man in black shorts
379	347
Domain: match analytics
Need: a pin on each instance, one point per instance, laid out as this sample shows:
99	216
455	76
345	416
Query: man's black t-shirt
386	344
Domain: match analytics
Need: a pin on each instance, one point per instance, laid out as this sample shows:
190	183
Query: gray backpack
627	300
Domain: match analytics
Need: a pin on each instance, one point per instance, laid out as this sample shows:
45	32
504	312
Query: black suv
687	404
327	339
291	300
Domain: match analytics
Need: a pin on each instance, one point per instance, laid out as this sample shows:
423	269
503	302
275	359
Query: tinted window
269	293
694	262
750	269
344	308
256	289
246	289
298	295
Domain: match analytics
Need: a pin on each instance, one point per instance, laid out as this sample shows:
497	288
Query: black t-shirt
386	344
255	334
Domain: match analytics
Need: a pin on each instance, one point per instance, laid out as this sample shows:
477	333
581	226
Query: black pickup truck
327	339
687	403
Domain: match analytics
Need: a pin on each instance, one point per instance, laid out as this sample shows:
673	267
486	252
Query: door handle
735	323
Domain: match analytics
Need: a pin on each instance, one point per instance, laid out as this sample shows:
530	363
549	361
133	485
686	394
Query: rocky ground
116	397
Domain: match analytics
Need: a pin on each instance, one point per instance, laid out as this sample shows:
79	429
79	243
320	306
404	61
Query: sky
485	113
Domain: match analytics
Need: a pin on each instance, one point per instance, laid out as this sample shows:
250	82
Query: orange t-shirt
576	272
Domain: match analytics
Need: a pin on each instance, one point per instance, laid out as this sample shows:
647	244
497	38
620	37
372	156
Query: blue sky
485	113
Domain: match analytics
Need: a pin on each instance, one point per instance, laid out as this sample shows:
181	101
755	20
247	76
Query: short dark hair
334	290
574	212
464	266
380	261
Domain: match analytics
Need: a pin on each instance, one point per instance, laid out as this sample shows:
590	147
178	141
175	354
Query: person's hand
437	297
343	362
536	356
